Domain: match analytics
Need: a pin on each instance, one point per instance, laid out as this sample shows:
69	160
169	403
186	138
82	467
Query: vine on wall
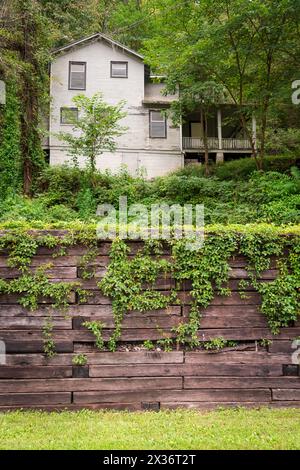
10	153
130	282
130	279
280	298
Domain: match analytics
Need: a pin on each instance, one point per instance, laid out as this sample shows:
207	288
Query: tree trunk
250	137
30	138
263	132
27	119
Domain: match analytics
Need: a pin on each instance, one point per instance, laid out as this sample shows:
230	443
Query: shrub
283	211
64	194
60	183
243	168
86	204
16	207
76	186
283	141
60	212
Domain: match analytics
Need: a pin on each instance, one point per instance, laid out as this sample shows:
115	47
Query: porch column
220	128
181	136
220	154
2	93
254	130
181	144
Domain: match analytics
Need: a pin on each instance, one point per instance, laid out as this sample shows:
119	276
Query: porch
192	143
225	135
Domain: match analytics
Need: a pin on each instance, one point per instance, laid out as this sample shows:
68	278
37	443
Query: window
68	115
119	69
77	76
158	125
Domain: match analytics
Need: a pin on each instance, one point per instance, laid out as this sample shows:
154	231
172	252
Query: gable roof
96	37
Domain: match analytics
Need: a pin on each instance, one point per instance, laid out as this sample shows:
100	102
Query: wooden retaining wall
248	375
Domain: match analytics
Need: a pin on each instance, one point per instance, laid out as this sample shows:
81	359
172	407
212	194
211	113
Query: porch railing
191	143
236	144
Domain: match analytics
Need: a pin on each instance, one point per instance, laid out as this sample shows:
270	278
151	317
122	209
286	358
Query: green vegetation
30	31
224	429
130	280
265	342
125	281
49	345
252	205
235	193
207	270
10	157
96	128
254	69
149	345
243	168
96	328
250	70
80	360
217	344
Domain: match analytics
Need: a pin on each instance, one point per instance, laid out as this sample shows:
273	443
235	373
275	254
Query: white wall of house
135	148
154	91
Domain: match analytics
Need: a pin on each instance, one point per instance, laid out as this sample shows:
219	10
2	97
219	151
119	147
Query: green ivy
35	286
207	270
281	297
131	279
217	344
79	360
49	345
96	327
10	153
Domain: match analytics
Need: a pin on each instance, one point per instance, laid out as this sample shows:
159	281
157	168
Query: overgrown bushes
243	168
63	194
283	141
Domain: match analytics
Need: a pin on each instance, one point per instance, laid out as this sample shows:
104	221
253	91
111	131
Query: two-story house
151	144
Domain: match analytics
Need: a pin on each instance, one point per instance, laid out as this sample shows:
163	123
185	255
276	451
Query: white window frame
116	62
151	121
70	75
62	109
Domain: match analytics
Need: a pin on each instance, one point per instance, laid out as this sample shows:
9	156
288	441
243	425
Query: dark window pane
68	115
157	125
119	69
77	79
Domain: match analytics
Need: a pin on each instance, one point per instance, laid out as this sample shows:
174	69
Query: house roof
96	37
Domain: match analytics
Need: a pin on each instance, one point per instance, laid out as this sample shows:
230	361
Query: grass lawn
222	429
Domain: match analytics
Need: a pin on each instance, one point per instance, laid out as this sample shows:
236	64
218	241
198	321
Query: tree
132	21
125	20
275	27
10	155
34	53
25	45
29	29
95	129
245	46
195	96
74	19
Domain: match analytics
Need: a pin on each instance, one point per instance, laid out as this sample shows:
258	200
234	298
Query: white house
151	143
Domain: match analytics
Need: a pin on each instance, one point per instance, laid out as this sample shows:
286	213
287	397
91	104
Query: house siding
135	148
153	91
